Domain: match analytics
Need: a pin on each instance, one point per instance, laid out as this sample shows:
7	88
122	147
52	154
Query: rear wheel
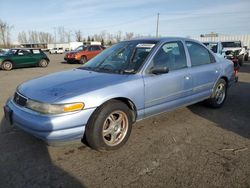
7	65
241	61
110	126
43	63
83	60
219	94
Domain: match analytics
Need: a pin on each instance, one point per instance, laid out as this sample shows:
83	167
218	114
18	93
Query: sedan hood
50	88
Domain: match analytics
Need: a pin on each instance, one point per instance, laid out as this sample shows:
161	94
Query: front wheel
219	94
110	126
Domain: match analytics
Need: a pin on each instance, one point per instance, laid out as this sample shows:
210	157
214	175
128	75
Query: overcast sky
177	17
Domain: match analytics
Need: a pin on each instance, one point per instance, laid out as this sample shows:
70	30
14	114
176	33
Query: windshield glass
80	48
212	46
11	51
124	57
236	44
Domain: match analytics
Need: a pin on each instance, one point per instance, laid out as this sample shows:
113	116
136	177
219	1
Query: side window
199	55
94	48
35	51
171	55
24	52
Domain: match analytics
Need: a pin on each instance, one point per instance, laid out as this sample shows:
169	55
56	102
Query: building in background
215	37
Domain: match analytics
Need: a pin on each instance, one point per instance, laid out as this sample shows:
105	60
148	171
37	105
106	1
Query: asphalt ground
194	146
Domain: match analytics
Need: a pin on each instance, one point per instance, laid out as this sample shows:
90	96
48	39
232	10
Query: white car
56	51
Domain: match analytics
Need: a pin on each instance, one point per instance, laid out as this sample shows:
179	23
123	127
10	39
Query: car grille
19	99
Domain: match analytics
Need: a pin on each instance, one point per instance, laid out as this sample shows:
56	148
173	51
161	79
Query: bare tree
5	30
33	37
22	37
129	36
61	34
118	36
78	35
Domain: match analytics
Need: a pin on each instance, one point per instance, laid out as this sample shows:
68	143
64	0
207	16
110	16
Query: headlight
46	108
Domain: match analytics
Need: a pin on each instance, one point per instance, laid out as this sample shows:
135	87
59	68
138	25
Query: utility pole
157	25
55	35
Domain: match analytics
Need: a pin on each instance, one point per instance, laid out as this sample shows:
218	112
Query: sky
177	17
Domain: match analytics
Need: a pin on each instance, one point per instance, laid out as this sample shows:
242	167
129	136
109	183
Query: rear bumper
50	128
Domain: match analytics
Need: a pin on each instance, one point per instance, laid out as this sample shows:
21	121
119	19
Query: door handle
187	77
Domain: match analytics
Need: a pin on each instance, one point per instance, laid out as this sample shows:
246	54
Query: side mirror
20	53
159	70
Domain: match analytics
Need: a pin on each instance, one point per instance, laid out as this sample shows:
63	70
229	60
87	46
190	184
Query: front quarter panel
132	89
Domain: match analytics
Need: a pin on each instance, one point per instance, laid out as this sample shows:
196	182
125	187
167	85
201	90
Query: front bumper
71	60
50	128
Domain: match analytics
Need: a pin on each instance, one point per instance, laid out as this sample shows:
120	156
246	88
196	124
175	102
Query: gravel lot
189	147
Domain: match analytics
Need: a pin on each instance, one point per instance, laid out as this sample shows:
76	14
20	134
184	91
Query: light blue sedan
128	82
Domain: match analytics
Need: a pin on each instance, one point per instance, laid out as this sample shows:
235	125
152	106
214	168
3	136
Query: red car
83	53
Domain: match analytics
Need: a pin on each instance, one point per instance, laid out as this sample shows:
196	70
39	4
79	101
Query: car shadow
25	162
245	68
234	115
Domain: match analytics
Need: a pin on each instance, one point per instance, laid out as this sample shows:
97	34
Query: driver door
169	90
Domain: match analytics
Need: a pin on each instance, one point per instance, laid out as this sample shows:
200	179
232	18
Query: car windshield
80	48
212	46
236	44
11	51
122	58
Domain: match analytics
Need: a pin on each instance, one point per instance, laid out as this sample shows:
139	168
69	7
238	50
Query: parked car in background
237	48
21	57
127	82
2	52
229	47
82	54
216	47
56	51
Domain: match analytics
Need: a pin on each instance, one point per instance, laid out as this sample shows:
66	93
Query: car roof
26	48
162	39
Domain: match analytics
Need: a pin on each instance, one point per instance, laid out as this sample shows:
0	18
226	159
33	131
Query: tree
129	36
5	30
102	42
78	35
22	37
88	39
118	36
61	34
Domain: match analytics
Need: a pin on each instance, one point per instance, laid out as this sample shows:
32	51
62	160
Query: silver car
128	82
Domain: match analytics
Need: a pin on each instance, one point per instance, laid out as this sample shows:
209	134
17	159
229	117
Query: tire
43	63
241	61
246	57
7	65
219	94
83	60
104	131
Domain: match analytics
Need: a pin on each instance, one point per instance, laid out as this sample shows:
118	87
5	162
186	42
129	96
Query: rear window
236	44
36	51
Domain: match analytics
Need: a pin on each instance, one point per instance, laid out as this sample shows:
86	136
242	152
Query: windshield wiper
128	71
88	68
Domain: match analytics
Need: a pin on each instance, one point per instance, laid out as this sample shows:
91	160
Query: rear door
170	90
204	70
93	51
